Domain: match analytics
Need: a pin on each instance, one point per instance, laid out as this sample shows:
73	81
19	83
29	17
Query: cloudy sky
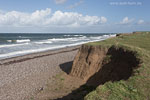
71	16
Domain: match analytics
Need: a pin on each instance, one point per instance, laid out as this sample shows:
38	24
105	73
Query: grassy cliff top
137	87
140	40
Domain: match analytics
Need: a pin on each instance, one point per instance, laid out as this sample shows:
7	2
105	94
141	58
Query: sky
74	16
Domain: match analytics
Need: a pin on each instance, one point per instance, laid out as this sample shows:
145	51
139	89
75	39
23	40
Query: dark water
19	44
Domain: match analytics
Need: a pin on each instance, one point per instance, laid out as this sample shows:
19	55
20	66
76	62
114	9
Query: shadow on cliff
118	66
66	67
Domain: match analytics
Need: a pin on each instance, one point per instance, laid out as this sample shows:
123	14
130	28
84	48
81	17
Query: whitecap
44	42
25	40
12	45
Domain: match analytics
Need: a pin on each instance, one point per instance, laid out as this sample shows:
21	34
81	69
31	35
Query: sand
21	77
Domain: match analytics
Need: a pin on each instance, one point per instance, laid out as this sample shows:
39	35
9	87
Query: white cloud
60	1
15	18
103	19
126	20
44	18
73	19
140	21
76	4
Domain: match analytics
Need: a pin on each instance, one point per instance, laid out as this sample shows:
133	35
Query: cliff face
117	68
88	61
98	65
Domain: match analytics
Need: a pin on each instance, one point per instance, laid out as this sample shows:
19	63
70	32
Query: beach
23	76
28	62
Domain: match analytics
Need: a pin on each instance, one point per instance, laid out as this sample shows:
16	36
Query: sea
17	44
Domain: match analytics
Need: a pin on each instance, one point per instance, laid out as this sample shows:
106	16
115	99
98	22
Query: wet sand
22	77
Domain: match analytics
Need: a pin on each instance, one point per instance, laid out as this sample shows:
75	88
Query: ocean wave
59	39
48	41
19	41
113	35
67	35
104	36
74	35
78	41
9	40
44	42
17	53
12	45
25	40
11	54
66	39
83	38
78	35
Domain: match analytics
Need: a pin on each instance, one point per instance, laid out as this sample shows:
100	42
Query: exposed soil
117	65
88	61
92	66
98	65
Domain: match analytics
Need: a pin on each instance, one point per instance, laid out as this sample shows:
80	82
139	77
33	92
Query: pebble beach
23	76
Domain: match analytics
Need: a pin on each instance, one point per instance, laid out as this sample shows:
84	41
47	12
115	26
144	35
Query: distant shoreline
12	45
38	54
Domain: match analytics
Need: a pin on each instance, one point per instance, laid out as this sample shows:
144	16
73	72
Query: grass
137	40
137	87
32	98
57	84
59	78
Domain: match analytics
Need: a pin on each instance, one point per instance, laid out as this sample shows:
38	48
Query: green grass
137	40
137	87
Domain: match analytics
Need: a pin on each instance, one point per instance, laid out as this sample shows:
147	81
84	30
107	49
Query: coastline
22	76
24	47
21	58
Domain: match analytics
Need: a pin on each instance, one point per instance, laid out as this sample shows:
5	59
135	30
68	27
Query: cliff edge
118	68
88	61
104	64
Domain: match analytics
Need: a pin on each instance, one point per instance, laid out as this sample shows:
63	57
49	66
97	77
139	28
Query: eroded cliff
97	64
88	61
113	69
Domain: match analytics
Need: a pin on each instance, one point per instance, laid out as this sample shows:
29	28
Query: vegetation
137	87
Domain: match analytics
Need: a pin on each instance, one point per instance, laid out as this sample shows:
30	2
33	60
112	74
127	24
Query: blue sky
74	16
